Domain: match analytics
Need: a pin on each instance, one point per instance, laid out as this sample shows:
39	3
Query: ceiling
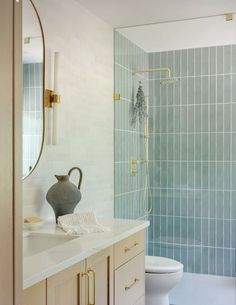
186	34
122	13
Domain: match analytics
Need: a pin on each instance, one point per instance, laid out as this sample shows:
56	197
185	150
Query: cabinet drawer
130	281
128	248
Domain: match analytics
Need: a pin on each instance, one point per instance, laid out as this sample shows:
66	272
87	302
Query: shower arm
167	70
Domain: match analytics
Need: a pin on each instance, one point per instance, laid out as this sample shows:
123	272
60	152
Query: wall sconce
52	98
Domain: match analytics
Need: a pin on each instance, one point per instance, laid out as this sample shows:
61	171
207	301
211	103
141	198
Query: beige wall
86	110
10	160
6	166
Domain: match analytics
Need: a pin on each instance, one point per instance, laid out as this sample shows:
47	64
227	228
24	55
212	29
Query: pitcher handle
81	175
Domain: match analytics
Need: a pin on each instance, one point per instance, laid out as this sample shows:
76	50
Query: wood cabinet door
35	295
67	287
100	270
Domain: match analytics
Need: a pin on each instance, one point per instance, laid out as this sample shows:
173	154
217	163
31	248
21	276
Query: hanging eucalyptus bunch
139	109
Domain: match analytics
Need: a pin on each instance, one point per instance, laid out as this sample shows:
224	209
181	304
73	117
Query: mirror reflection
33	80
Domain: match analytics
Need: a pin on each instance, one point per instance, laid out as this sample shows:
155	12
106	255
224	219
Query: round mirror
33	88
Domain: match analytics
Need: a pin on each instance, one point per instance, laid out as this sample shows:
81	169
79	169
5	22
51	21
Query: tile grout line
201	152
167	144
160	164
216	155
223	151
187	159
208	195
174	91
231	157
194	165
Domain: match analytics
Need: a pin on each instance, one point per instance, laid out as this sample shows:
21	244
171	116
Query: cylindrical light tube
56	91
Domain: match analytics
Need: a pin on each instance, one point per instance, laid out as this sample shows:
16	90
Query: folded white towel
81	223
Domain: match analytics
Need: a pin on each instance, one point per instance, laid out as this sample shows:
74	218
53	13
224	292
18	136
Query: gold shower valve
133	167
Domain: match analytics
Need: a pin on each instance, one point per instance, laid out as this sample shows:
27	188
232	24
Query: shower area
177	166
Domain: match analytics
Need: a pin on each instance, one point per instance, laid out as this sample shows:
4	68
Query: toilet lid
157	264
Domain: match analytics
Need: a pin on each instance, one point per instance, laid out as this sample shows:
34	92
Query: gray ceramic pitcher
63	196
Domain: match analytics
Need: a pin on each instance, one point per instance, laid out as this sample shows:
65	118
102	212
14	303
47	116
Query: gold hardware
88	284
127	249
94	286
133	167
78	286
136	280
26	40
229	17
116	96
165	69
50	98
167	80
88	288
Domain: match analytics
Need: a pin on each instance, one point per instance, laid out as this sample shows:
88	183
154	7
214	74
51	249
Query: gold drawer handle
127	249
94	285
136	280
85	274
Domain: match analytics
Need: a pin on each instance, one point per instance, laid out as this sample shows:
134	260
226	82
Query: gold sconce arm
51	98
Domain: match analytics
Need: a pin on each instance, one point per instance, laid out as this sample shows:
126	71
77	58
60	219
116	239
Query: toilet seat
160	265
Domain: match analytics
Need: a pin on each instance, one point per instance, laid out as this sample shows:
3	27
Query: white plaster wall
86	111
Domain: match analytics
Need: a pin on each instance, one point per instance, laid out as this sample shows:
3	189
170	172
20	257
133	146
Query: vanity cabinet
100	267
128	248
130	271
89	282
67	287
35	295
114	276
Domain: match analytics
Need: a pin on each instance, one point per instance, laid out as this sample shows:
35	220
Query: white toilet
162	274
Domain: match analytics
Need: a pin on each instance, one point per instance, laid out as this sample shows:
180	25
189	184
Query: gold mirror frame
43	93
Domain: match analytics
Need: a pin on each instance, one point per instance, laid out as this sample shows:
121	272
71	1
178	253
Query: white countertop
40	266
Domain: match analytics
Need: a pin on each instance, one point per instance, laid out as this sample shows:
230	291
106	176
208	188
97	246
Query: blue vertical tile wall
192	153
32	113
193	159
129	140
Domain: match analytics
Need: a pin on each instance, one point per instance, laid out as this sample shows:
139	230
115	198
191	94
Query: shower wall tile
129	201
32	112
192	149
192	153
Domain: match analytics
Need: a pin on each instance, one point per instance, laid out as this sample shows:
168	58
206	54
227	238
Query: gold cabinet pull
94	285
136	280
127	249
85	274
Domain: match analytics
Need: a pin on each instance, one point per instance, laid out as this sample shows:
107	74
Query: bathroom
161	181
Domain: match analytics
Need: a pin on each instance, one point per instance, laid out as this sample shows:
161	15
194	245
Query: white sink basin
35	242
